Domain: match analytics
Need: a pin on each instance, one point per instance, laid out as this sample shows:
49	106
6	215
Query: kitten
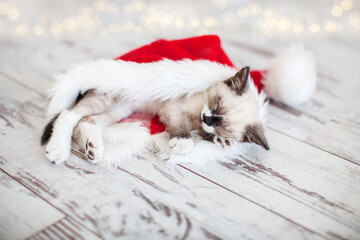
226	112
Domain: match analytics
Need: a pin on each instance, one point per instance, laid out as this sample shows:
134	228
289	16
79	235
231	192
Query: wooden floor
306	187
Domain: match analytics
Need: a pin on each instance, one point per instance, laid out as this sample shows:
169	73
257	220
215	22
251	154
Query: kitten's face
233	110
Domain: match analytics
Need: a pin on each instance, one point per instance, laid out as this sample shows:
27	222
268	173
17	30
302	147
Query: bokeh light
105	18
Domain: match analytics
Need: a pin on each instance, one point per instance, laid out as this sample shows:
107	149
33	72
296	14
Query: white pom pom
291	77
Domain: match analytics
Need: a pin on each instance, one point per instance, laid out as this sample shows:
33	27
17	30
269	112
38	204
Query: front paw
181	145
228	144
58	150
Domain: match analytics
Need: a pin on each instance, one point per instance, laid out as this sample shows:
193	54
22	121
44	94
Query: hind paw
94	149
89	137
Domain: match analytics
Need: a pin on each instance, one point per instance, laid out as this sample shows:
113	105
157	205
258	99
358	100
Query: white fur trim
260	97
291	77
138	83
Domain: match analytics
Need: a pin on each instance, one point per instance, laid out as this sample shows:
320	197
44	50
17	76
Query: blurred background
118	21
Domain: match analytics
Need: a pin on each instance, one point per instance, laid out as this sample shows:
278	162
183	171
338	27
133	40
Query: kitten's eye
216	107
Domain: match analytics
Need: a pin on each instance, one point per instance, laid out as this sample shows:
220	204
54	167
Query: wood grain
288	187
21	211
65	228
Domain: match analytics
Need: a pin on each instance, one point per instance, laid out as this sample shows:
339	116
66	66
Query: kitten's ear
239	81
255	134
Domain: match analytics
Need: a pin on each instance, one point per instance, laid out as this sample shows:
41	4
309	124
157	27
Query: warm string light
315	28
220	4
336	11
13	14
87	19
210	22
21	30
4	8
354	20
346	5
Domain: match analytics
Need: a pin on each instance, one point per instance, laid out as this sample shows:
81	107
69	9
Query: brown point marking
255	134
238	82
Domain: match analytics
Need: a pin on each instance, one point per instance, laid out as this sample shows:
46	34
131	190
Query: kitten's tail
48	130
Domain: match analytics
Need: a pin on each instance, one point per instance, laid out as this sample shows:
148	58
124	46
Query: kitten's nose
207	120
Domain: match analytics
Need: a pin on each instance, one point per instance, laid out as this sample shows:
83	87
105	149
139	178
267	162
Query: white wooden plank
141	199
41	60
300	182
22	213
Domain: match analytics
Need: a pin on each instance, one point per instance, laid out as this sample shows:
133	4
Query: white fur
58	148
261	100
136	82
181	145
291	77
206	110
202	152
124	140
157	147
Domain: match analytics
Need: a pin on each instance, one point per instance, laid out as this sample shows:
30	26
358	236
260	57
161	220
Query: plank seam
14	80
301	202
319	148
